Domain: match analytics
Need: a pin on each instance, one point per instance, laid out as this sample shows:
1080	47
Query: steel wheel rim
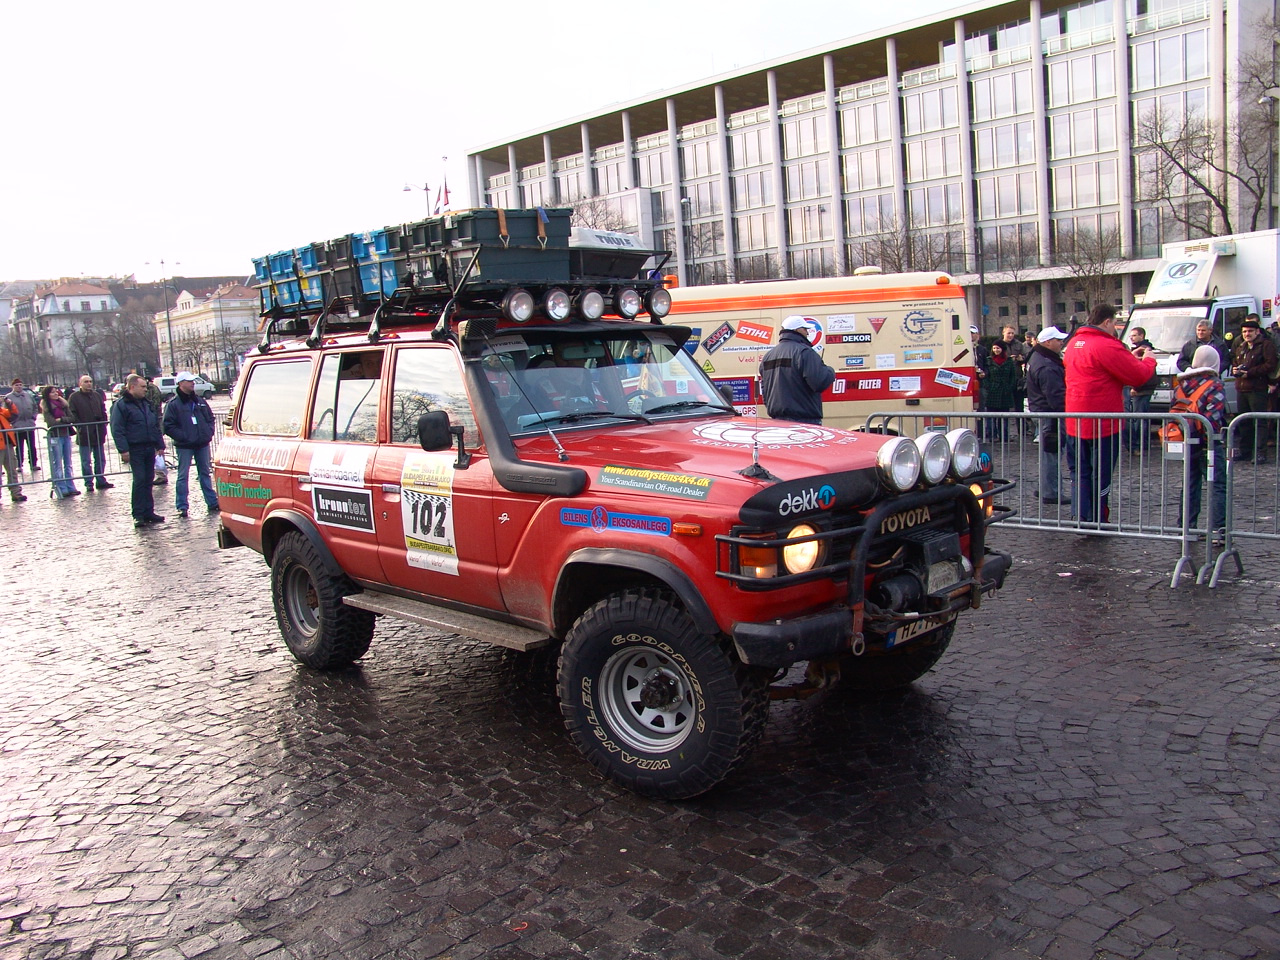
301	602
647	699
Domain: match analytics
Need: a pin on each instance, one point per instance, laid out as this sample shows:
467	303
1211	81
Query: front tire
878	672
654	704
318	628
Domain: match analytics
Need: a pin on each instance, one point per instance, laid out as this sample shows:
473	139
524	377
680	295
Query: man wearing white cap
188	421
793	376
1047	393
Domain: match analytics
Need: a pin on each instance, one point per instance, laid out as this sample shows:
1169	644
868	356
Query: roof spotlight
591	304
658	302
517	305
628	302
556	304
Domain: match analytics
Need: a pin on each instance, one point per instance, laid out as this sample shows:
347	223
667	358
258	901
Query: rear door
434	519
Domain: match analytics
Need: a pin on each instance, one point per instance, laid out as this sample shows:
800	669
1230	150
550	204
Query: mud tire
319	629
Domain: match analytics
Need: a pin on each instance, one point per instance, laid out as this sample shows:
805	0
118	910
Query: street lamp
168	322
425	188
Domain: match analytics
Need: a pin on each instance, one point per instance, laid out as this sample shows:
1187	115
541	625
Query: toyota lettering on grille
905	520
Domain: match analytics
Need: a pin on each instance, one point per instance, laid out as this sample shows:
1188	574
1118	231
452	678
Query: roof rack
454	266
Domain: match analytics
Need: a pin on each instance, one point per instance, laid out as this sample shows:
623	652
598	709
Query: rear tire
879	672
654	704
319	629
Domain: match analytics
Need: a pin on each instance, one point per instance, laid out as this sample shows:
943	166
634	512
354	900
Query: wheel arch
281	522
593	573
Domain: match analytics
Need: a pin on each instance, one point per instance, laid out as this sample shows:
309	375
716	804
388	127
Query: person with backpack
1199	389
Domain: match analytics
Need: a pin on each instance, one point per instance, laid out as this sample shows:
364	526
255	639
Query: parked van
168	386
895	340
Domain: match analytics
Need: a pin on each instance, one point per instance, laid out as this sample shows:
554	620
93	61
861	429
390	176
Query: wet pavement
1089	772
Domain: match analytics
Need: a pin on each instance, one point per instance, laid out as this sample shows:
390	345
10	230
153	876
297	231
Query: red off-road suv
543	463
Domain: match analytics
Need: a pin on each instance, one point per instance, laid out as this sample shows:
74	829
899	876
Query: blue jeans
60	469
204	473
95	452
1092	485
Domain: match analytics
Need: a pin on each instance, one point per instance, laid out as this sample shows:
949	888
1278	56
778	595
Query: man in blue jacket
135	430
188	422
793	376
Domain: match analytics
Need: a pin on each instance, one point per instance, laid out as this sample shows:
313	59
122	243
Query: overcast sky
204	134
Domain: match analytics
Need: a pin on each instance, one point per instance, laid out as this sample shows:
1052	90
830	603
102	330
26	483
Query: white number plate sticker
916	627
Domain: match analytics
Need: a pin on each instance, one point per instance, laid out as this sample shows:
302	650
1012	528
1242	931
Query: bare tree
597	213
1093	258
901	248
82	336
1210	179
127	339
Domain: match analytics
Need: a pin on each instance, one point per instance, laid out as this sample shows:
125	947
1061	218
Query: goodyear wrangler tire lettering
319	629
652	703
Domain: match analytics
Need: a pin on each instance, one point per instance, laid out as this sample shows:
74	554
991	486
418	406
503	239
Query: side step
450	621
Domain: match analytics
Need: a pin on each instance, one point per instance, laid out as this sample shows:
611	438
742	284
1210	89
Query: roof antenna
756	470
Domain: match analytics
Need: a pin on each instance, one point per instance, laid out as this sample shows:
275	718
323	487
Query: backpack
1183	403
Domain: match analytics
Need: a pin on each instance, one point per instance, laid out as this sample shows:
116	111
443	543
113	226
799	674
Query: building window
750	148
1010	195
930	110
869	215
867	169
751	190
933	159
808	180
809	224
1081	79
936	205
863	124
754	232
1006	145
1002	95
654	169
804	137
700	159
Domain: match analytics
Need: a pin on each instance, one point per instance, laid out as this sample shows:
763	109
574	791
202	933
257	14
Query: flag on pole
436	212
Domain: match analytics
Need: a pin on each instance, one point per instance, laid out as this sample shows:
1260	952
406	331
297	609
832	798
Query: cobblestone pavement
1090	772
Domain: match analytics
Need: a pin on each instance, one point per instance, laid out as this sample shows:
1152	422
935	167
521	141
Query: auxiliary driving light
628	303
658	302
803	557
556	304
591	304
935	457
517	305
898	461
965	453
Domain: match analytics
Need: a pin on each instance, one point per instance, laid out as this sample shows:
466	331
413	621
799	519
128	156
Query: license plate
915	628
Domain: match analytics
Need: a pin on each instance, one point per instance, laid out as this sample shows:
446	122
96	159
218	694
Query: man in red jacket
1099	367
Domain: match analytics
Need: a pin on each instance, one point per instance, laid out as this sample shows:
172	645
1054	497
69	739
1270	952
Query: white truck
1223	279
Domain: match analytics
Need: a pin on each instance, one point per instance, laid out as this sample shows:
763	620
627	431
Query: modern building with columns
1001	128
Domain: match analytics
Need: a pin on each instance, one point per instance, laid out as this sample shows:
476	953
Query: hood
710	454
1197	372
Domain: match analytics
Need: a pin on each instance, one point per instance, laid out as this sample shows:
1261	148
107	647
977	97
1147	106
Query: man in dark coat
1204	334
88	407
188	422
135	430
793	376
1254	360
1047	393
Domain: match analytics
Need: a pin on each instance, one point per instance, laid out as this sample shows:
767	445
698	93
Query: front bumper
782	642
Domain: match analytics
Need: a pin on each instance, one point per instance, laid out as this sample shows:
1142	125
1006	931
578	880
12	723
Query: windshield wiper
590	415
685	404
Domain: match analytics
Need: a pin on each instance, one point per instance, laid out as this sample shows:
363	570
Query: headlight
802	557
965	453
935	457
899	463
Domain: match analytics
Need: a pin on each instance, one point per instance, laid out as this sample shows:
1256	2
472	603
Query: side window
429	378
274	401
1230	329
346	406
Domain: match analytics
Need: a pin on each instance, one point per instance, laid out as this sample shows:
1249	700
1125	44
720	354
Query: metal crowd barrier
1253	492
1149	489
112	466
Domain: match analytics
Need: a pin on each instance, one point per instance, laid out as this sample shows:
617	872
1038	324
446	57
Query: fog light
658	302
517	305
556	304
628	302
591	304
802	557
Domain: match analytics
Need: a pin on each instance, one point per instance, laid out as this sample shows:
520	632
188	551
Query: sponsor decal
904	384
870	384
837	385
952	378
601	520
263	454
240	491
806	501
656	481
690	346
339	507
904	520
342	466
426	512
917	356
920	327
849	338
876	322
886	361
855	361
741	387
960	356
777	434
756	332
718	339
843	323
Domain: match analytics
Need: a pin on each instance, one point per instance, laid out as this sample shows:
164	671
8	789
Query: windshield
1167	329
544	378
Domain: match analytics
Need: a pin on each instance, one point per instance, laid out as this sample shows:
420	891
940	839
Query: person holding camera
1252	363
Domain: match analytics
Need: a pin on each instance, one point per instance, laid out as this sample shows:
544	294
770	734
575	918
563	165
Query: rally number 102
422	518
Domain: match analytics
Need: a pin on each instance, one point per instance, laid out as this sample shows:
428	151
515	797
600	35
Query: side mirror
435	433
